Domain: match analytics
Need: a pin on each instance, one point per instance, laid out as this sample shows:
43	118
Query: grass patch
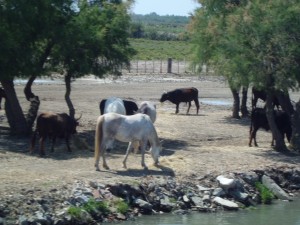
122	207
91	206
266	195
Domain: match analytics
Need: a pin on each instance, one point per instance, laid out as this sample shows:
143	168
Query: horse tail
98	136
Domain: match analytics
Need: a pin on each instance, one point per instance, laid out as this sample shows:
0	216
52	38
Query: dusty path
211	142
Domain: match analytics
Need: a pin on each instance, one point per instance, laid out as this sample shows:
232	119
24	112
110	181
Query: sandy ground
209	143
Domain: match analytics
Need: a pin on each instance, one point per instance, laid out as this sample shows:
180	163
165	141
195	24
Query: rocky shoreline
90	202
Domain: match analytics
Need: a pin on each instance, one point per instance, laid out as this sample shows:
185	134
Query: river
279	213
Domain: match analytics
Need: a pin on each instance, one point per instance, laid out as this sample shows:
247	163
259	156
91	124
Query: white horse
149	109
115	105
138	127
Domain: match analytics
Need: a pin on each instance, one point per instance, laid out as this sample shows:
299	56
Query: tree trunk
34	102
13	110
295	140
244	109
279	139
285	102
67	95
236	103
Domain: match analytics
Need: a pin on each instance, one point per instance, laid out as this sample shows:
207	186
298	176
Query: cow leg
53	142
253	136
127	153
197	105
41	143
68	144
187	112
177	108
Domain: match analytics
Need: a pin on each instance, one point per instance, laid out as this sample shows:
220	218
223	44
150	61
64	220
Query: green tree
94	42
252	43
25	44
90	37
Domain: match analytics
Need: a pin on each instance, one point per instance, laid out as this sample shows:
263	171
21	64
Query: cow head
164	97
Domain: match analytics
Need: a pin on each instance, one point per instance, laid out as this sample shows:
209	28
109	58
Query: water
216	102
279	213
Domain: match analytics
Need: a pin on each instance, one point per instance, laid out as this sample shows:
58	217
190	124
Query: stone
276	190
197	201
226	183
143	204
226	203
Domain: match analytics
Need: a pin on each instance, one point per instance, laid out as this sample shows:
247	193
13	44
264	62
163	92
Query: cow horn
79	117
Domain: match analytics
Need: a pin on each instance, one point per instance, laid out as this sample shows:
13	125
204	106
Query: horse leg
143	147
187	112
102	152
126	156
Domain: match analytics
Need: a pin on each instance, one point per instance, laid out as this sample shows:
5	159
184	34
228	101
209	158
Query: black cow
261	94
182	95
259	120
2	95
53	125
130	107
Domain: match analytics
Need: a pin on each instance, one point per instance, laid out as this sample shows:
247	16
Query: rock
250	177
143	204
197	201
272	186
226	203
201	188
186	199
226	183
218	192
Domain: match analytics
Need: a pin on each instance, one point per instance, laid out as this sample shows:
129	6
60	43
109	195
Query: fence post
161	66
169	65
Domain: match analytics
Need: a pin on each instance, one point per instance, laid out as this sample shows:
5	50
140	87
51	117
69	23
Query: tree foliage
250	42
73	37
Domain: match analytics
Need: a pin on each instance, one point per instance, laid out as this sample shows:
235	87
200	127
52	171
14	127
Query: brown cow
53	125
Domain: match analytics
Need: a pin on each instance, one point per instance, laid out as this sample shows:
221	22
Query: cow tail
98	136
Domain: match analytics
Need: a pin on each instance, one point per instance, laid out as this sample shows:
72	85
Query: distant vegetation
160	37
163	28
151	49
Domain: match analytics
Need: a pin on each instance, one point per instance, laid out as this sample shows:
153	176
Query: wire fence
160	67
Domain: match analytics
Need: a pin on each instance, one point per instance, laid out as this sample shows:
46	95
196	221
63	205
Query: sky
165	7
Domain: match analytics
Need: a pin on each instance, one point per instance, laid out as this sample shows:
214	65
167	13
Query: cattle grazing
2	95
130	106
259	120
53	125
261	94
138	127
182	95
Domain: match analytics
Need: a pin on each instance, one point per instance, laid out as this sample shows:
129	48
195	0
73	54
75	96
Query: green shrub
74	211
266	195
122	207
93	205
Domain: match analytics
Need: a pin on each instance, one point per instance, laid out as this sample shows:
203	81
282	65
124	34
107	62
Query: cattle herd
52	126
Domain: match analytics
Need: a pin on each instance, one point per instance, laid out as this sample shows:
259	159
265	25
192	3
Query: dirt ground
209	143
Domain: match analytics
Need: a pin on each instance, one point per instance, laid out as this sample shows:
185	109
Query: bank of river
278	213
